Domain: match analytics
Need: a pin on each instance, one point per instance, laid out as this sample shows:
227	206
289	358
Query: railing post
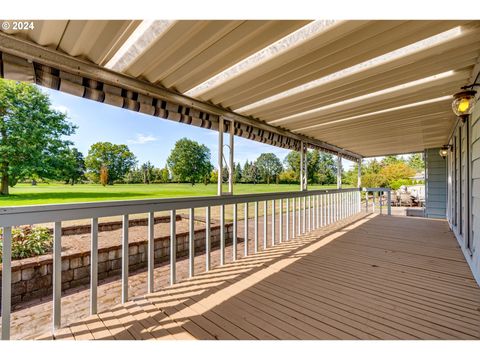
265	224
366	201
389	200
208	239
299	225
380	202
294	217
125	259
373	201
322	210
245	229
222	235
287	220
57	275
234	233
93	266
304	213
255	228
334	207
173	247
280	222
6	281
151	252
191	243
273	222
309	213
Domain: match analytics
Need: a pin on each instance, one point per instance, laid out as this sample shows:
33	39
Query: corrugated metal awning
351	87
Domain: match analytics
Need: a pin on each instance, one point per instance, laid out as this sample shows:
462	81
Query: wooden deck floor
377	278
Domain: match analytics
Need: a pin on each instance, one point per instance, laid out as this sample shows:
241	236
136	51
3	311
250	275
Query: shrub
104	175
29	241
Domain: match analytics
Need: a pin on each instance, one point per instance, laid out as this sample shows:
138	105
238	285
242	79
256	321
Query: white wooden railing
377	193
302	212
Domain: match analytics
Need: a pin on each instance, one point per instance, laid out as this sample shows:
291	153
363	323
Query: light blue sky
150	138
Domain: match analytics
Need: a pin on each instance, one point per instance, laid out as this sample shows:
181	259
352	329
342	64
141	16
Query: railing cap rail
34	214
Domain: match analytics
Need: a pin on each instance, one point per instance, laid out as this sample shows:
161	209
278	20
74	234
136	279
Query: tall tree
189	161
417	162
237	174
31	134
74	166
392	159
327	169
269	167
292	163
117	159
250	173
147	172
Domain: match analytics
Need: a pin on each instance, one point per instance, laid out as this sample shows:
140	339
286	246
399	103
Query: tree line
33	147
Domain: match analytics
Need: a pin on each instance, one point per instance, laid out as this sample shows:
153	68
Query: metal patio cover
357	113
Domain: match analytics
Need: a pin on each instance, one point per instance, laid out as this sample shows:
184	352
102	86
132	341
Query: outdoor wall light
464	101
444	151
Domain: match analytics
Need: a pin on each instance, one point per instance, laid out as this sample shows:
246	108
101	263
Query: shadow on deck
379	277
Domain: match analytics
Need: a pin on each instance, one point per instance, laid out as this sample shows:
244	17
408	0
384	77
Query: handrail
36	214
305	211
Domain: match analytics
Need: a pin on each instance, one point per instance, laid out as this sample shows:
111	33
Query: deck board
378	277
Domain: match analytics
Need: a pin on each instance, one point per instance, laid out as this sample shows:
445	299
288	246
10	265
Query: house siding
436	184
463	174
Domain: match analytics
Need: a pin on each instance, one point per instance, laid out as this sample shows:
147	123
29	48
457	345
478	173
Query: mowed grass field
26	194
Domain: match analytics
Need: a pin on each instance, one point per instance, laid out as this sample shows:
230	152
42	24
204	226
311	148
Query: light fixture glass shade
444	151
463	103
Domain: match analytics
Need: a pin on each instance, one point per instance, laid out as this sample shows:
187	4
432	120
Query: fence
297	213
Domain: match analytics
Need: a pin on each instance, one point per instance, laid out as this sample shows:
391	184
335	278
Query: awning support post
221	156
339	171
303	167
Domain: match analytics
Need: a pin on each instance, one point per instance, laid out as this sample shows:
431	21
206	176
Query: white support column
231	157
93	266
339	171
302	160
6	281
57	275
359	174
220	155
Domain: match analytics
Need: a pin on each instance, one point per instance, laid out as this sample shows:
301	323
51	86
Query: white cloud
142	139
61	108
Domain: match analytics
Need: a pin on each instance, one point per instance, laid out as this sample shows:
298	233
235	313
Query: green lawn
26	194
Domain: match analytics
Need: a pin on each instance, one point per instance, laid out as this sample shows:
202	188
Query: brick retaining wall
32	277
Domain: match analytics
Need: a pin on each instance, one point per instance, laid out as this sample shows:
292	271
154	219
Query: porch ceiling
305	85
